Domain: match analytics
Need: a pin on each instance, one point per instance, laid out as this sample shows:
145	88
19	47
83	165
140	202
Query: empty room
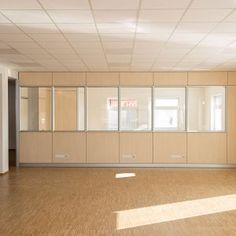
118	117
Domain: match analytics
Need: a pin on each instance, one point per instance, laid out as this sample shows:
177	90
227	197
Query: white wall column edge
4	156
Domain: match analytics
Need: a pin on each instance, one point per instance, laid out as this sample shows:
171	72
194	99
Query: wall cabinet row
127	147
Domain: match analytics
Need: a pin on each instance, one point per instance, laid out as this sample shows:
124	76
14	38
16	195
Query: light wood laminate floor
80	201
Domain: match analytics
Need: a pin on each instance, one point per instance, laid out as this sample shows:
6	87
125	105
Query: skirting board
76	165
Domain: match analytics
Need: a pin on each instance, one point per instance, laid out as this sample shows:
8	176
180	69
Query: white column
4	160
3	121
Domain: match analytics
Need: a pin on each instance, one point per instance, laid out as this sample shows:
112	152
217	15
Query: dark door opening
12	121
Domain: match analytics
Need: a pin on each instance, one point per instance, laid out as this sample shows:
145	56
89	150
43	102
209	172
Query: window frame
86	109
119	118
225	109
51	108
185	110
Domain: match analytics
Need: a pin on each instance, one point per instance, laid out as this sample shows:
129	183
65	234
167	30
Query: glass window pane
69	109
102	108
35	109
206	108
169	109
135	108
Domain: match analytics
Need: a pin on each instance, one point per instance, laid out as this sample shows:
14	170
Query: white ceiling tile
150	28
4	46
228	27
116	28
62	4
19	4
157	37
27	16
3	19
39	28
71	16
119	16
213	4
8	29
15	38
160	15
118	58
205	15
129	37
232	17
114	4
89	50
48	37
195	27
77	28
186	38
218	41
31	51
24	45
117	45
56	51
55	45
159	4
82	37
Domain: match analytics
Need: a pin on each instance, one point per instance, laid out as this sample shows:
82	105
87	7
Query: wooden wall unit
36	147
207	148
145	147
231	78
102	147
35	79
136	79
170	79
69	79
102	79
69	147
170	147
231	121
135	147
207	78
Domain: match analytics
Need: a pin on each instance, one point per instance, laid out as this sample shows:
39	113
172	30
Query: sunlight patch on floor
125	175
174	211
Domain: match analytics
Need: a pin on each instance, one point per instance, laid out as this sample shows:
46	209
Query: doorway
13	121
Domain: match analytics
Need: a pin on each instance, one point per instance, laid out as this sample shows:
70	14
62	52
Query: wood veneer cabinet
69	147
135	147
207	148
35	79
231	121
170	78
102	147
170	147
35	147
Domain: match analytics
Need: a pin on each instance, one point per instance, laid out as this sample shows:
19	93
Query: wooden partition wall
92	147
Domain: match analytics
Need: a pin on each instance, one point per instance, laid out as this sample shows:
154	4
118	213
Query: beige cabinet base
135	147
35	147
102	147
169	147
69	147
207	148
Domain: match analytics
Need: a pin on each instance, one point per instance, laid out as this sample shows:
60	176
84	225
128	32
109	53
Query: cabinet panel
170	147
136	147
207	78
35	147
102	79
231	78
102	147
136	79
208	148
170	78
69	79
35	79
231	122
69	147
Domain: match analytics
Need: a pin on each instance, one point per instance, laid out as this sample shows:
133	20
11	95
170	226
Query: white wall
4	74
